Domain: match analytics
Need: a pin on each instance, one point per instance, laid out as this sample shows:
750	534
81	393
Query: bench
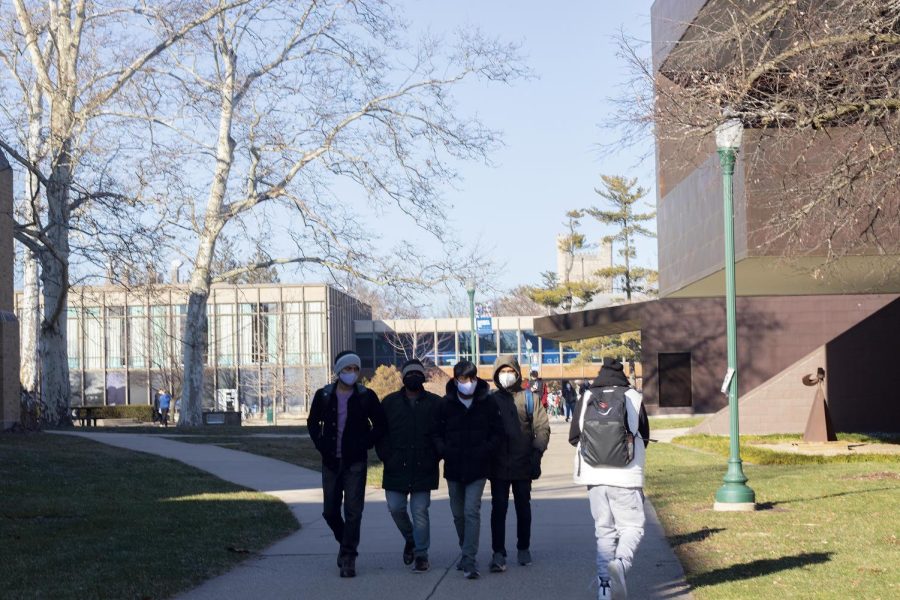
86	414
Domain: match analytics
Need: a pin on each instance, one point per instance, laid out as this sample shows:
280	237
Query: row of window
446	348
151	337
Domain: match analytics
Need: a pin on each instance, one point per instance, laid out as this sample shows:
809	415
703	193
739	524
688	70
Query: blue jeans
465	504
417	530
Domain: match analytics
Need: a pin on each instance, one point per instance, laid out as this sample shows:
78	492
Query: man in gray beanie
411	468
345	420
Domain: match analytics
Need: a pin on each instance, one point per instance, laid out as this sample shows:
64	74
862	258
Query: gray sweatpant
618	524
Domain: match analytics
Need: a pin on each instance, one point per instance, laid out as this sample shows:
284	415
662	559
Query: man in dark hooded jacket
527	430
411	468
467	431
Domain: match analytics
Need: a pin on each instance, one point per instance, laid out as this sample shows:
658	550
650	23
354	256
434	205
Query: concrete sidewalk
303	564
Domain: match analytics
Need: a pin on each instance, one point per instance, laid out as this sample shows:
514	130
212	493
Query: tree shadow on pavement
758	568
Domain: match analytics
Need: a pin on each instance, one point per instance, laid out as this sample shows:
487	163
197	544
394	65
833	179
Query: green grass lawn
826	530
673	422
297	451
83	520
211	430
753	449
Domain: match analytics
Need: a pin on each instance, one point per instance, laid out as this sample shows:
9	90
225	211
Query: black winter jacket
524	440
364	427
466	438
407	450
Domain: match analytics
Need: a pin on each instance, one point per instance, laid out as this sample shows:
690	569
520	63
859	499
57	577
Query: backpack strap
529	403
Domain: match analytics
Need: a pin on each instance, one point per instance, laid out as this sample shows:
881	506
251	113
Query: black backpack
606	440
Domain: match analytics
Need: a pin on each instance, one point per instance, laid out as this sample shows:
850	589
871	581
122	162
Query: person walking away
570	397
165	400
517	460
467	432
539	389
345	420
610	462
411	467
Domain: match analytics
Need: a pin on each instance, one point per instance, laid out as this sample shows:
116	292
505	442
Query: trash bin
270	416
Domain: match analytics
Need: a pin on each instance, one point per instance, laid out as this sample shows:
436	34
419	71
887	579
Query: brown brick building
9	326
791	320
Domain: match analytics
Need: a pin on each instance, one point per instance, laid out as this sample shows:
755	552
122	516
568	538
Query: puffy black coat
407	450
364	427
525	439
466	438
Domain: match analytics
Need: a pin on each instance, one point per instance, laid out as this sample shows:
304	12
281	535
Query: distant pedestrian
411	468
570	397
165	401
517	460
539	389
610	462
345	420
582	388
466	434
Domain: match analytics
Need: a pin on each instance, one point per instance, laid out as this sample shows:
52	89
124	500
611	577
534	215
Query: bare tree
277	101
70	62
815	85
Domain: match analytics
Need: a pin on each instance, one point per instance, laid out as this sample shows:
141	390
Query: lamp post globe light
470	288
735	494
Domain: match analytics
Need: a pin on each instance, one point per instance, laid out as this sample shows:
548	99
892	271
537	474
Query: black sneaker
422	565
498	563
408	555
471	573
348	568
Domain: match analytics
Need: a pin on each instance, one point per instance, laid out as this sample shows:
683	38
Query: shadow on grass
694	536
771	505
759	568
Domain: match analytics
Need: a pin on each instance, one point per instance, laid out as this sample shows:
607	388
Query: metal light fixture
735	494
470	288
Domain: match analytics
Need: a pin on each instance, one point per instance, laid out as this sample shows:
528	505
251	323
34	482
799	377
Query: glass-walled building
269	344
443	342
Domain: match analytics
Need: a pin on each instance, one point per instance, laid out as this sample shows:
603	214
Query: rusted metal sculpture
818	425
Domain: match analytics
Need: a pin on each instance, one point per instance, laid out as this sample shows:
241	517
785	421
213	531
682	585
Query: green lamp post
473	350
735	494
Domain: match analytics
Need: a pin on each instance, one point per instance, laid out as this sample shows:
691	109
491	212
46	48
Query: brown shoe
422	565
348	568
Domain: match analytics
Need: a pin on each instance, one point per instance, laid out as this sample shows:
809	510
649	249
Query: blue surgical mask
349	378
466	388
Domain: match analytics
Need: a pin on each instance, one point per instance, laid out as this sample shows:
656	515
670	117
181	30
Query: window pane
315	341
93	340
160	357
526	339
137	388
115	338
115	388
245	337
446	348
93	388
73	342
465	345
225	335
292	339
365	349
509	342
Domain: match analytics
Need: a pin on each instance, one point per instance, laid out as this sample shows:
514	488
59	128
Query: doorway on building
675	379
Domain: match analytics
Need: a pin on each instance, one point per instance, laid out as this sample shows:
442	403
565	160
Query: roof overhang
598	322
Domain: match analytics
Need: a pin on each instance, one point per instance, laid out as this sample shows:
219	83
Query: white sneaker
603	591
617	579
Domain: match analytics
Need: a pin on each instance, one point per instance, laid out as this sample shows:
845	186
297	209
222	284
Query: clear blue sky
550	162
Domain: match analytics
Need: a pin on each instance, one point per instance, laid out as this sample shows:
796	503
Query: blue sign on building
483	325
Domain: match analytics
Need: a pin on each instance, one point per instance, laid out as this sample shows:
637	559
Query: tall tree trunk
30	313
55	390
197	326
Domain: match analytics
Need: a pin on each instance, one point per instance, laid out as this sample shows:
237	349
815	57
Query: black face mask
414	382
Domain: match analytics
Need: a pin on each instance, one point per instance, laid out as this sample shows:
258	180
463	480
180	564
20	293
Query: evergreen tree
622	194
566	294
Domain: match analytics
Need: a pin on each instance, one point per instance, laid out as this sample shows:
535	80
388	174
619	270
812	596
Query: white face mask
507	379
348	378
466	388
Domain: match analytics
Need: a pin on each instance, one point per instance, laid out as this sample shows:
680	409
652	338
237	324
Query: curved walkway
303	564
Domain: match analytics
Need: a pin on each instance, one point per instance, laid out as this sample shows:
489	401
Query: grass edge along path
825	530
79	519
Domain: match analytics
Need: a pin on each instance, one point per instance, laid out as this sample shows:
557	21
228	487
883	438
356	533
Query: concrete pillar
9	325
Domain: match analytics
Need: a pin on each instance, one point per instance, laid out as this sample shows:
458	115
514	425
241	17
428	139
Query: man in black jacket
517	460
411	468
345	420
466	433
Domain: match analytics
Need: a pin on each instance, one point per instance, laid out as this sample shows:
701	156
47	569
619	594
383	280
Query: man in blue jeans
345	420
466	434
410	462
